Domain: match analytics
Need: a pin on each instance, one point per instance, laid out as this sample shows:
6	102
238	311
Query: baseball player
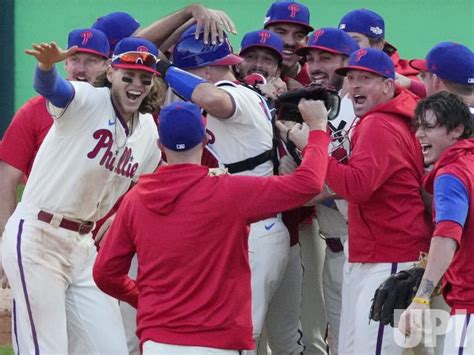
381	181
290	20
99	144
32	121
204	272
261	53
368	29
448	66
327	50
241	139
443	129
261	65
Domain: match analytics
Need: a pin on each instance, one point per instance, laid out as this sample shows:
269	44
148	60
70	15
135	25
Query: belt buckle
84	227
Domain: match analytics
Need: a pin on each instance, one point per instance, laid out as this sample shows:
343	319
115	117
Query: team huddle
181	198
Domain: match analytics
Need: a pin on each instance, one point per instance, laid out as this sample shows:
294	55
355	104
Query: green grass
6	350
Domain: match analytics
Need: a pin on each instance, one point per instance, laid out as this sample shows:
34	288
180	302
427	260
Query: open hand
48	54
213	23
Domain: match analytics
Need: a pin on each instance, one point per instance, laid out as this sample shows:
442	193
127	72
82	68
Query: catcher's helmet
190	52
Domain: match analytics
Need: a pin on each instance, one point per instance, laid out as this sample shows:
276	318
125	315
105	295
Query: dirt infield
5	317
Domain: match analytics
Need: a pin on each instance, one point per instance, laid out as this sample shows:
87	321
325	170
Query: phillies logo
124	166
294	9
317	34
359	54
142	49
86	35
264	36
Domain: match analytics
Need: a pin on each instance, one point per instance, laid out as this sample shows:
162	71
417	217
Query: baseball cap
288	12
181	126
450	61
331	40
135	53
89	41
262	39
116	26
363	21
190	52
371	60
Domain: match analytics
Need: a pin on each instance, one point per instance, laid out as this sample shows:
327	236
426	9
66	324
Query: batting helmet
190	52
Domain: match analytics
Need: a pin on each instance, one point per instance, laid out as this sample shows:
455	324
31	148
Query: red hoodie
458	282
382	182
190	233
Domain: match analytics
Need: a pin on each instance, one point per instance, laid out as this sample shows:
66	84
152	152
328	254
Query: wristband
181	82
421	300
162	67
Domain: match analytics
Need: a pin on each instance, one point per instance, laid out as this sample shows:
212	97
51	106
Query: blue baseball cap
190	52
135	53
288	12
181	126
331	40
450	61
116	26
371	60
89	41
363	21
262	39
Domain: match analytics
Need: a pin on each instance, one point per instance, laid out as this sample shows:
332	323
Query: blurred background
413	26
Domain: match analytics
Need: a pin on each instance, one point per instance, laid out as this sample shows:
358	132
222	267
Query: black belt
250	163
80	227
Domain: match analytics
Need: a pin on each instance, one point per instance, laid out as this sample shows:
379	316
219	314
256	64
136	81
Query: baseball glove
394	293
287	103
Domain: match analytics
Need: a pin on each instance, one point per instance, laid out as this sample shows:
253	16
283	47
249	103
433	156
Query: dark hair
152	103
449	109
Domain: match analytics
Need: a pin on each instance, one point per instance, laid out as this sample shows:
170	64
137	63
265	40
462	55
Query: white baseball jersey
341	133
88	159
246	134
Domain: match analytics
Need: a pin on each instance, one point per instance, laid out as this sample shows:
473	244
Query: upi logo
426	326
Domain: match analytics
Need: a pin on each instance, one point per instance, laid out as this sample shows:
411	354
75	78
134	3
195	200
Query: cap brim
308	27
418	64
343	71
304	50
278	54
230	59
91	51
135	67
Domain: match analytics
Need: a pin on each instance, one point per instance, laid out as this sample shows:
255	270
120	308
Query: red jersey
458	282
190	233
382	183
303	76
25	134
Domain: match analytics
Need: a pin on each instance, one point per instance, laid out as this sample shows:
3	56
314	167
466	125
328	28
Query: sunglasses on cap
134	58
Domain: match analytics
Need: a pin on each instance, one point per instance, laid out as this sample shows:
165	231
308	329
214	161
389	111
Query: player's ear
389	86
109	73
457	131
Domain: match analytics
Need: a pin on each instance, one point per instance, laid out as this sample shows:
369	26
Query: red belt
81	228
